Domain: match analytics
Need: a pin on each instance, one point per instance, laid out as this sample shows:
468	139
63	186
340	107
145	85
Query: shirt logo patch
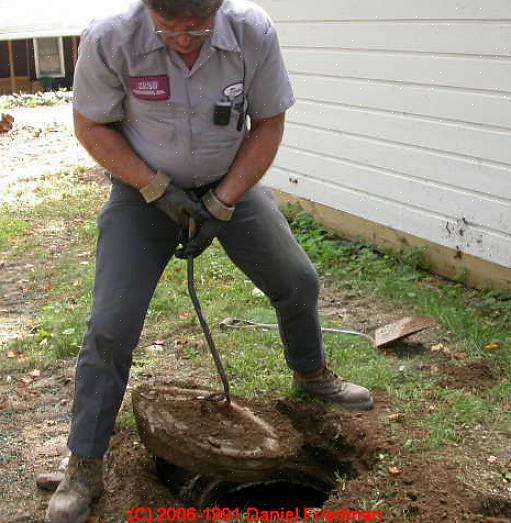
152	88
234	90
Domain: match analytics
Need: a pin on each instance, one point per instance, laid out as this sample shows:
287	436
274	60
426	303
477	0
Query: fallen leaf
459	355
396	417
26	380
35	373
11	354
395	471
159	342
492	346
184	315
438	348
22	357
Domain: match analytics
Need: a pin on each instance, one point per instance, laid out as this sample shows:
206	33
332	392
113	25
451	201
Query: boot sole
364	406
359	406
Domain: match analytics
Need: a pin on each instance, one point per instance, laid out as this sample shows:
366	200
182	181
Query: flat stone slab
241	441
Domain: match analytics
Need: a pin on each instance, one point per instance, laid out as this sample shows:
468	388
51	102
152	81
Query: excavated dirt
473	376
430	486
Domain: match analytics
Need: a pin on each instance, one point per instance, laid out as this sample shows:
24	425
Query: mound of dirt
474	376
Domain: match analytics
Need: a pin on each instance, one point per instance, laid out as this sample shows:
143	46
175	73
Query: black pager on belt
222	114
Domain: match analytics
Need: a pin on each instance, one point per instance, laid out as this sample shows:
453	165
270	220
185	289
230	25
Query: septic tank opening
268	455
277	495
289	489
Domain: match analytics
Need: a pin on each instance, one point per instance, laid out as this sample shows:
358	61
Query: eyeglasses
172	35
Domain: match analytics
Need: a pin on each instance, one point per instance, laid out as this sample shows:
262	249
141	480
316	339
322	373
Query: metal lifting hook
225	395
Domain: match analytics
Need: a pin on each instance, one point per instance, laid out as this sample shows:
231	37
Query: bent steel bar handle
205	328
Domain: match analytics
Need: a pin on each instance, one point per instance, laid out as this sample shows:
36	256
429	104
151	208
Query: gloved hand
179	206
176	203
218	214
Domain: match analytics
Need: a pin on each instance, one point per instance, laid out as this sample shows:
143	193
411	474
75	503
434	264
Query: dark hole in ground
272	495
287	490
271	456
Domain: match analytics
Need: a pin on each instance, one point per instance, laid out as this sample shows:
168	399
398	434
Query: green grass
476	318
10	228
473	318
59	97
50	224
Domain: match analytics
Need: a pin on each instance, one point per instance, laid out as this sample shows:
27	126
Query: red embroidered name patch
151	88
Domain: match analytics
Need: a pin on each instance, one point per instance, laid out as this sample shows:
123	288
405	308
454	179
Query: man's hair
184	8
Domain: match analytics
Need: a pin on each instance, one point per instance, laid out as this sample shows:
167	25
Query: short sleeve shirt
126	76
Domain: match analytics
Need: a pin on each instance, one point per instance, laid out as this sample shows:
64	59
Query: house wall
19	51
23	52
403	116
68	61
4	60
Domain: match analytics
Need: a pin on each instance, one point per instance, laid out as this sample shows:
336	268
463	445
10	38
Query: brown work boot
326	385
82	484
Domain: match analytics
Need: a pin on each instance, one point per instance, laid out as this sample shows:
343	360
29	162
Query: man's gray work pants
136	241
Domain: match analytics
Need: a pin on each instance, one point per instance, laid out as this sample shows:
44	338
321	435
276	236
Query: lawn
442	396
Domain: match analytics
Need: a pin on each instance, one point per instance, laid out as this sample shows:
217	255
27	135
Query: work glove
176	203
218	214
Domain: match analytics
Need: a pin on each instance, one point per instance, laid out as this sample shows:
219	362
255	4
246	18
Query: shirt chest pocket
155	111
229	117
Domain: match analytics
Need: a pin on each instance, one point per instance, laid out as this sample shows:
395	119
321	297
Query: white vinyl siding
403	115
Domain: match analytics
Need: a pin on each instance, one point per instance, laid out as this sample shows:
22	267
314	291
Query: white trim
62	72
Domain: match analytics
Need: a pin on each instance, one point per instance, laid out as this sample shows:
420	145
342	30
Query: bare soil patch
472	376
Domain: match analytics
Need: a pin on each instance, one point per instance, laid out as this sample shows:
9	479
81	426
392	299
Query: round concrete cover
241	441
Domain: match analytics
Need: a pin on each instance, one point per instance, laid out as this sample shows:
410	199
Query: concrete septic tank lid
243	441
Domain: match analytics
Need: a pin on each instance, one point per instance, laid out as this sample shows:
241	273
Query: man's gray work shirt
126	75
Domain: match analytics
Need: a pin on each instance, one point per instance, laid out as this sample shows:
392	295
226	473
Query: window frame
60	46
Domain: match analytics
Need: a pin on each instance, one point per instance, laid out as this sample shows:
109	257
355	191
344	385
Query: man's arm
112	151
253	159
